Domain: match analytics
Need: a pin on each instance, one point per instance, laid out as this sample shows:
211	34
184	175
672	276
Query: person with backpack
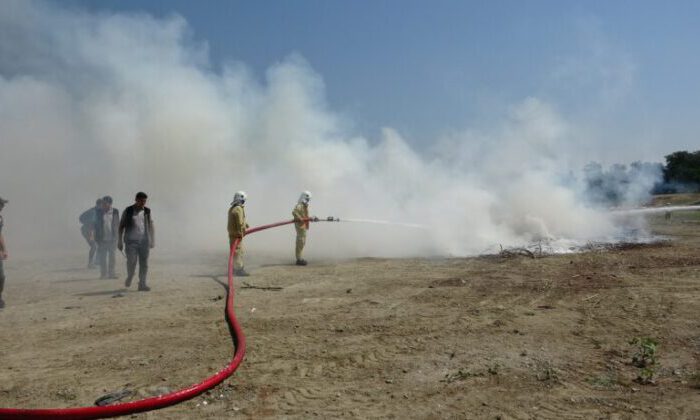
87	229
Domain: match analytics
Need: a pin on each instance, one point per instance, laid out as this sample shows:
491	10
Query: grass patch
645	358
603	381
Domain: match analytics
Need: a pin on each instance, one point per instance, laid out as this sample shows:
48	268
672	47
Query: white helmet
239	198
305	197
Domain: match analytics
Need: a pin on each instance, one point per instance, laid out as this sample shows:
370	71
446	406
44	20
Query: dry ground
486	337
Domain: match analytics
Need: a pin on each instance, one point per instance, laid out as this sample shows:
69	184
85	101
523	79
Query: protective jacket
236	222
301	216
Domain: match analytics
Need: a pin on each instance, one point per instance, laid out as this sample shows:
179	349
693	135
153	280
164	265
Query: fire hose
161	401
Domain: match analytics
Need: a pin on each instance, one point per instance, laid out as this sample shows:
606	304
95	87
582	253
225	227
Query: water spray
372	221
376	222
386	222
652	210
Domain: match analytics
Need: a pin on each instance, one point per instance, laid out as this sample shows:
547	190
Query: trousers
136	252
238	258
2	277
105	255
301	241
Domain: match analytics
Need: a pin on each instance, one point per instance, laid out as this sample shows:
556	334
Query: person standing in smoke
301	224
87	229
106	226
3	254
236	230
137	231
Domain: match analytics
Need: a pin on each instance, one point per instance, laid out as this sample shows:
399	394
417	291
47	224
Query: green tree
683	168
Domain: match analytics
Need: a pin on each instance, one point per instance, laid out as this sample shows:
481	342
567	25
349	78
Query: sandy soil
488	337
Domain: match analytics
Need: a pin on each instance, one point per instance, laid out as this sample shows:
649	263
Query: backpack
87	216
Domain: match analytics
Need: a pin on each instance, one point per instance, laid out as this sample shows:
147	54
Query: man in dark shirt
136	230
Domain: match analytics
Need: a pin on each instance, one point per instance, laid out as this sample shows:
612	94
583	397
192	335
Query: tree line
682	172
620	184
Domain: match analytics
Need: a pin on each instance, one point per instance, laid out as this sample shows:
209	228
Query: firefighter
236	230
301	224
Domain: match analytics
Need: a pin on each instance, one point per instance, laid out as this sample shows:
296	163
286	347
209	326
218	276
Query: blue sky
627	68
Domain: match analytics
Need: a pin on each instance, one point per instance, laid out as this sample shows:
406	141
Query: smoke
622	187
96	104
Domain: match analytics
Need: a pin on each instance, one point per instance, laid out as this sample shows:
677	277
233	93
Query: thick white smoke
114	104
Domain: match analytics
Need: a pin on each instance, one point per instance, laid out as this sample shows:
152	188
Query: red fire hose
161	401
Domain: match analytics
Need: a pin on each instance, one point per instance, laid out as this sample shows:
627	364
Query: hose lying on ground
160	401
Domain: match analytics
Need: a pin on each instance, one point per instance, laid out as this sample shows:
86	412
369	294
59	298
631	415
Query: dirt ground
508	337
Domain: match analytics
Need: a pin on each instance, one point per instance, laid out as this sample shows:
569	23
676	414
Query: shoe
2	303
301	262
144	289
241	273
127	282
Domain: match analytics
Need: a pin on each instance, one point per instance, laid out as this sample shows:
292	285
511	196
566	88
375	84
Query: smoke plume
96	104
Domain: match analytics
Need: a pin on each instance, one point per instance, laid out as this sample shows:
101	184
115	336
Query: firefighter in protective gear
236	230
301	224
